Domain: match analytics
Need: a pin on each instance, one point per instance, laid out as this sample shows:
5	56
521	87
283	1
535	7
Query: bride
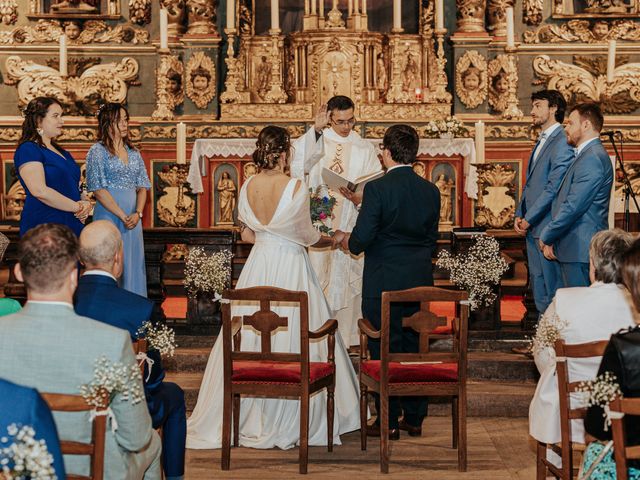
275	211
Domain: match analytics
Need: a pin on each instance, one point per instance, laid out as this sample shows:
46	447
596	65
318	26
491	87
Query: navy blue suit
544	176
397	229
100	298
580	210
24	406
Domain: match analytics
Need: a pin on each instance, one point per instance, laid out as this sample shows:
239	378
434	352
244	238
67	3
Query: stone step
484	399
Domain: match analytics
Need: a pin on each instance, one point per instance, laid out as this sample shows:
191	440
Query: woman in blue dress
47	172
117	176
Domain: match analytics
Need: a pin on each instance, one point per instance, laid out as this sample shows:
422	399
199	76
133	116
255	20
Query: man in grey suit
581	207
48	347
548	164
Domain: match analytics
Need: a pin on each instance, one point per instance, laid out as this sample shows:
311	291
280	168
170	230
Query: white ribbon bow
143	357
108	413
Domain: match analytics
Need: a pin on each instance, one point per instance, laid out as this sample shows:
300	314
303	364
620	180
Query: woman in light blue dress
117	176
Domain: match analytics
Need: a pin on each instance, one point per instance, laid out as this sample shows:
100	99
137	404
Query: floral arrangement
207	273
449	127
25	457
159	337
477	270
322	205
601	392
547	332
110	378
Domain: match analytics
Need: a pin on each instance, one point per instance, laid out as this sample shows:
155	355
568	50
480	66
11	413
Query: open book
335	181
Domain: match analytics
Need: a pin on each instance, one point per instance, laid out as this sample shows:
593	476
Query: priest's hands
340	240
322	118
354	197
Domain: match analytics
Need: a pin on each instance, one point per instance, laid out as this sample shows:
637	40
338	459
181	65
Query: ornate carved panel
471	79
496	203
585	31
201	80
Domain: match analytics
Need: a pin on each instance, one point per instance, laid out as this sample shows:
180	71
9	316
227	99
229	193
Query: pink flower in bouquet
323	216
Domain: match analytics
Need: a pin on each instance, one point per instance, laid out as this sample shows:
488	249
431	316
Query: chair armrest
365	327
329	327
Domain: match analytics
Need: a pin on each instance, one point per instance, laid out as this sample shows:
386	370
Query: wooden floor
499	448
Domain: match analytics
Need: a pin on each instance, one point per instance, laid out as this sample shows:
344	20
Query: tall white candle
511	39
181	143
63	55
397	15
275	15
479	141
439	15
611	61
231	14
321	8
313	7
364	7
164	29
350	7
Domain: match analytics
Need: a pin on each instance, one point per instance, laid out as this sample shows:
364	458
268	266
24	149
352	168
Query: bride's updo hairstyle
272	141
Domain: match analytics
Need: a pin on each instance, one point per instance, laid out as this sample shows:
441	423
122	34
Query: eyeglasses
344	123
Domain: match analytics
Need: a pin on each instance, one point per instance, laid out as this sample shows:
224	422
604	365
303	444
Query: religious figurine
418	168
471	79
263	74
499	91
411	75
227	198
381	75
200	87
72	30
249	169
446	188
244	17
175	82
74	6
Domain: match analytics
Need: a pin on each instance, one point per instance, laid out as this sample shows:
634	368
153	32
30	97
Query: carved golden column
470	15
497	16
233	81
276	93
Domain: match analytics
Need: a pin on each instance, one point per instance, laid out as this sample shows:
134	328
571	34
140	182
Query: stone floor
498	448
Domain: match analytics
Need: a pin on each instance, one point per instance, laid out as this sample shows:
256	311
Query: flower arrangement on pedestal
478	270
23	457
449	127
322	205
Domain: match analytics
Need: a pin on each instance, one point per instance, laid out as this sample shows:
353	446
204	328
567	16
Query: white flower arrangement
477	271
601	392
110	378
159	337
449	127
206	273
547	332
25	457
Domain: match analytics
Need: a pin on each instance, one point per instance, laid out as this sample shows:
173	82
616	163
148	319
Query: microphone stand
627	189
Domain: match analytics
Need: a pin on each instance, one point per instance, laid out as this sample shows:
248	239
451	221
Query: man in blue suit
547	166
24	406
99	297
581	207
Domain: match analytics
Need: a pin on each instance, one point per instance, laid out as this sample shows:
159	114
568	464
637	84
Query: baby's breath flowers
159	337
601	392
450	126
547	332
477	271
109	379
25	457
207	273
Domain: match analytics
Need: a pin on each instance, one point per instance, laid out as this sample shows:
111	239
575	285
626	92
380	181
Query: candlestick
511	41
439	15
164	29
418	93
181	143
63	55
231	14
397	16
611	61
275	16
479	141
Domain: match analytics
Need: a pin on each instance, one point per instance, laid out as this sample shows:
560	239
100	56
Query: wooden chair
441	374
75	403
140	346
565	387
622	453
253	373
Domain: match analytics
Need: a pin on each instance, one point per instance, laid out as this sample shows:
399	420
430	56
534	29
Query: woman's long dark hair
36	110
108	118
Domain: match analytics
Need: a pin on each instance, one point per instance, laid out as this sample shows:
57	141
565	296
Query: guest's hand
130	221
547	251
524	225
517	226
322	118
336	240
83	212
354	197
345	243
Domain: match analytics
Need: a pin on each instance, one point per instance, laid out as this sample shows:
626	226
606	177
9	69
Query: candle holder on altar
512	112
233	83
441	94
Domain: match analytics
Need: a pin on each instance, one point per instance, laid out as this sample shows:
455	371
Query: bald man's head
100	242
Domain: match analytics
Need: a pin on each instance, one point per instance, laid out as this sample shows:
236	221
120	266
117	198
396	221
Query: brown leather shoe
412	430
526	351
373	430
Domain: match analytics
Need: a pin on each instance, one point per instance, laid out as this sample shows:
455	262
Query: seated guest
23	406
49	347
581	315
621	359
99	297
8	305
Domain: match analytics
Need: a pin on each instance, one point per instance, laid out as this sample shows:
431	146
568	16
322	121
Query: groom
397	229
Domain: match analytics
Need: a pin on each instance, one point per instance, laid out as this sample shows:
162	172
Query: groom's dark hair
402	142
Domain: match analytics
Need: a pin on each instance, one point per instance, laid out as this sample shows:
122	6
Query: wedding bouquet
601	392
450	127
159	337
477	271
207	273
322	205
110	378
25	457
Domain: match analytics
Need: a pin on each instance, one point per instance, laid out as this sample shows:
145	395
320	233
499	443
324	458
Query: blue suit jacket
24	406
581	207
543	181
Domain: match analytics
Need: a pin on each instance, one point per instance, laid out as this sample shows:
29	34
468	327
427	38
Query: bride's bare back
264	194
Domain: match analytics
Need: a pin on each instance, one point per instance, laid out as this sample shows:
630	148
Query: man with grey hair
99	297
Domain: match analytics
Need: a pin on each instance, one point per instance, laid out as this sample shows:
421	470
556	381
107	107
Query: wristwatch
140	215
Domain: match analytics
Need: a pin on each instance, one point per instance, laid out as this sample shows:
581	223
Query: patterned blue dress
108	172
606	469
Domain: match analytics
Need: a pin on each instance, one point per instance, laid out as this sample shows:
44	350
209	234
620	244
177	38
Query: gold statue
446	189
263	72
411	75
227	198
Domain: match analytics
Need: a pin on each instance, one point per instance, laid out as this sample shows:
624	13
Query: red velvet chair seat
443	330
414	372
277	372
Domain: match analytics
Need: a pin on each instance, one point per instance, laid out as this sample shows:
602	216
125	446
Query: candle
181	143
611	61
479	141
439	15
313	7
231	14
321	8
364	7
275	16
164	29
397	16
63	55
418	92
511	42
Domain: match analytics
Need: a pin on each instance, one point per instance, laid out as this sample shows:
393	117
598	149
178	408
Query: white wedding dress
279	259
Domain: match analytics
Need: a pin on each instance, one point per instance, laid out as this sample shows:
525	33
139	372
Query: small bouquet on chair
600	392
159	337
322	205
22	456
